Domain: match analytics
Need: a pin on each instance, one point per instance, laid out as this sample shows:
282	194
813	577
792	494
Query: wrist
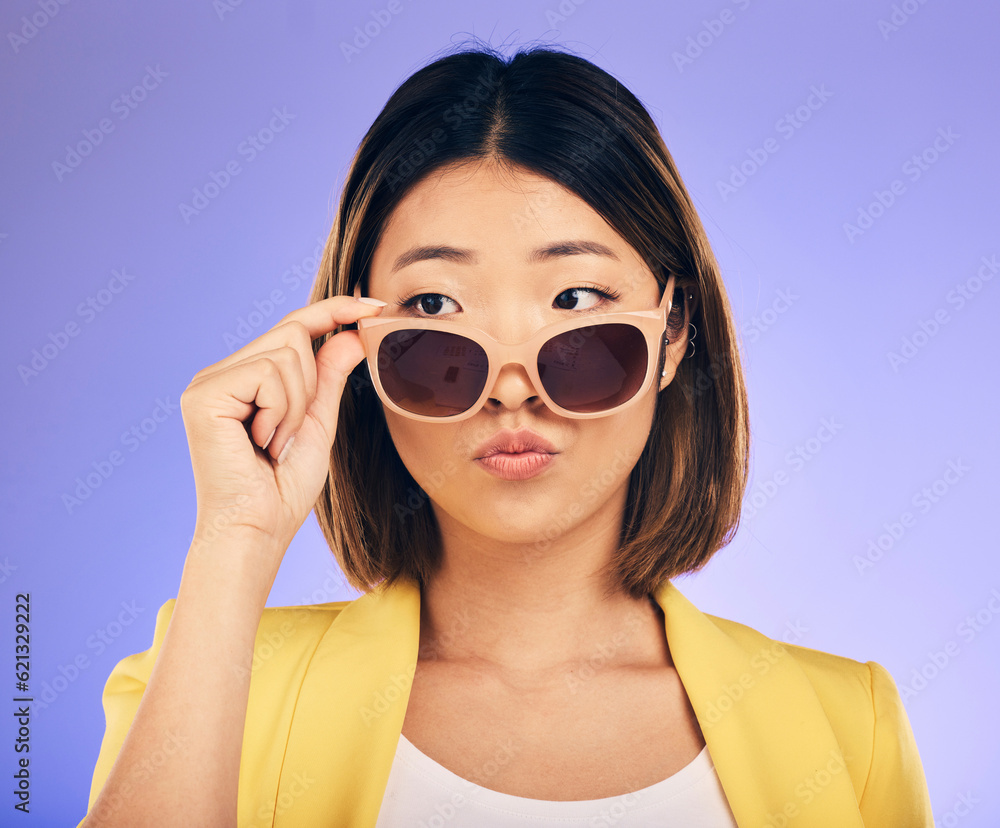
240	565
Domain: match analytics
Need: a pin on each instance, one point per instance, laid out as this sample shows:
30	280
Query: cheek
429	451
614	450
610	449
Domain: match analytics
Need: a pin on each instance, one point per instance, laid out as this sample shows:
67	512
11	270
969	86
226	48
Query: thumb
335	360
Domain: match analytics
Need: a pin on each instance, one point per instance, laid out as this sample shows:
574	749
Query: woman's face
501	218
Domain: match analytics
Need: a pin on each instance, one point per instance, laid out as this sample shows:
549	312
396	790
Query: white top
423	794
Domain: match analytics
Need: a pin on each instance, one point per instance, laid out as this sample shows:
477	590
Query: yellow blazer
799	737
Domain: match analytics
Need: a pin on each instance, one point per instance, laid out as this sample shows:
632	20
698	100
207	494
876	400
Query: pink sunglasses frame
651	323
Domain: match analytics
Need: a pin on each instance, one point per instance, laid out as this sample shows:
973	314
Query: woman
513	486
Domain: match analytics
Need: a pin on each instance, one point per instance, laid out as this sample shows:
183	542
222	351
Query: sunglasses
443	371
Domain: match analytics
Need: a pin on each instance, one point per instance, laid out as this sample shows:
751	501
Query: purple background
822	310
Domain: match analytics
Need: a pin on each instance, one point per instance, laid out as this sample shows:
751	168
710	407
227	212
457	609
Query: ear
676	350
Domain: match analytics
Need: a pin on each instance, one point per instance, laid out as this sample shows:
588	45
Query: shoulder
846	688
825	670
293	632
289	628
308	616
867	716
286	639
288	636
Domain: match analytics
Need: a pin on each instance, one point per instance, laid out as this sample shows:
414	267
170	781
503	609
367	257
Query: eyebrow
464	256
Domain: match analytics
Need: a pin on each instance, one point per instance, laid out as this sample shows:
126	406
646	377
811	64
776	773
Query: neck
515	609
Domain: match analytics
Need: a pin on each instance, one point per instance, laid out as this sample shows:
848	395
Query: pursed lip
507	441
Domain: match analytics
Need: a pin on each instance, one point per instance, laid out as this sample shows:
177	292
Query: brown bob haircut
559	116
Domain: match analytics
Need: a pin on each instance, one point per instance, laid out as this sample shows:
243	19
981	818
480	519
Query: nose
512	389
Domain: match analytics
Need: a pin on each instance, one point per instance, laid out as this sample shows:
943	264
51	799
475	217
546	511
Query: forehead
499	214
461	194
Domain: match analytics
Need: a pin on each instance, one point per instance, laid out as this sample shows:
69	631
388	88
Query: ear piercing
694	333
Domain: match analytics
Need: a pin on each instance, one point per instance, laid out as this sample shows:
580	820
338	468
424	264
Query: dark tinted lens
432	372
594	368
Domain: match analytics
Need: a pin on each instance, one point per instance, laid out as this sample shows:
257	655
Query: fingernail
369	301
284	451
267	442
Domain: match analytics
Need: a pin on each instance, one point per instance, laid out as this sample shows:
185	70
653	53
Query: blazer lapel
774	750
770	740
350	712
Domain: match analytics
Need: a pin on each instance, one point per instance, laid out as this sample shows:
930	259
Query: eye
428	303
602	294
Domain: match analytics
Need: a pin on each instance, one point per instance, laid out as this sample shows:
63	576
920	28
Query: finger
251	388
306	323
291	336
296	401
233	394
270	397
323	316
